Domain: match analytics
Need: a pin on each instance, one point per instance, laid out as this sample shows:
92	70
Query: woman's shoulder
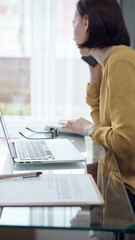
120	53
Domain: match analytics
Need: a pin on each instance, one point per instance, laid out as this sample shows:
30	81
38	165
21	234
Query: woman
100	31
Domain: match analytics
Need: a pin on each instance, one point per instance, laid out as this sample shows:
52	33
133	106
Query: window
15	56
58	75
41	72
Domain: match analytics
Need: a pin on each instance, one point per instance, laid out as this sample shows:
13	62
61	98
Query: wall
128	8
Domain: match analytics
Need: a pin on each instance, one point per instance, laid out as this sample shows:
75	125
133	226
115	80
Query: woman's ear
86	23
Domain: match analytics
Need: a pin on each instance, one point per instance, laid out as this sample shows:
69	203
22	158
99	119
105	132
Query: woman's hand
85	51
95	72
79	126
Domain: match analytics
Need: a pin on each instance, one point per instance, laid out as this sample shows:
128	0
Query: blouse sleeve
92	99
120	136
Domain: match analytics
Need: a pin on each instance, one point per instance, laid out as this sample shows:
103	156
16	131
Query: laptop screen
6	163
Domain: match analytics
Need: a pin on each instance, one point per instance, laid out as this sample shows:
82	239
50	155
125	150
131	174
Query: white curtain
58	75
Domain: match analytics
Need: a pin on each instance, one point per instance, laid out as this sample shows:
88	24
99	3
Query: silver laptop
40	151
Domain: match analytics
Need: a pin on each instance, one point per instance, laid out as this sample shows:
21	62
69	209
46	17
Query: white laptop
40	151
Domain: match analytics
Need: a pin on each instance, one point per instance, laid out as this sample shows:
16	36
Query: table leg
119	236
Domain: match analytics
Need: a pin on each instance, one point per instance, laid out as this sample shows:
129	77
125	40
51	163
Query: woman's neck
101	54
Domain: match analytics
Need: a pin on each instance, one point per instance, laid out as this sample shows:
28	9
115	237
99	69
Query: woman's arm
120	135
82	125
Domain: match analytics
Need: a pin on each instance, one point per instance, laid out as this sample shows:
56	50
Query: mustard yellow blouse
113	112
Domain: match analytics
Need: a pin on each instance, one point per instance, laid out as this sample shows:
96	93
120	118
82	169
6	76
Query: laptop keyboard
34	150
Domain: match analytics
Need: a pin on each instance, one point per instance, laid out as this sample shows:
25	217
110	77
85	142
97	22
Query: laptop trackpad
63	149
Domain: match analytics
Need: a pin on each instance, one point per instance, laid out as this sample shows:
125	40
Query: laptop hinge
12	148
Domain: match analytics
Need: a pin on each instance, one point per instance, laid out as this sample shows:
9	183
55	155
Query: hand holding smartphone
90	60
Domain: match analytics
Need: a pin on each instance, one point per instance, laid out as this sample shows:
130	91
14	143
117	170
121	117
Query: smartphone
90	60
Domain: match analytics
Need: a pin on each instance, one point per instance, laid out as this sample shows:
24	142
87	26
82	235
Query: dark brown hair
107	26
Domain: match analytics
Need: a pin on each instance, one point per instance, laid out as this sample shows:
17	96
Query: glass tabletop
115	215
